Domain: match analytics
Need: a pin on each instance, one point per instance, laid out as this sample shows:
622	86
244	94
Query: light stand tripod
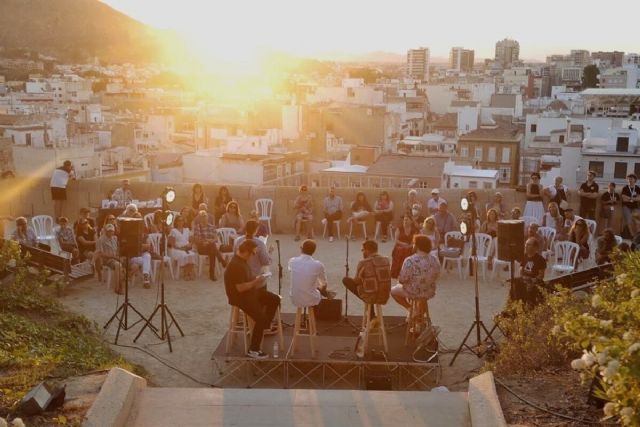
477	322
122	312
162	307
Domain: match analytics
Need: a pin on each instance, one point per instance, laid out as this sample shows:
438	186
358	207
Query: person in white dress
180	243
534	207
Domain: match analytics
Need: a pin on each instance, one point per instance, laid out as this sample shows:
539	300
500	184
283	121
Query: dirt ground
202	311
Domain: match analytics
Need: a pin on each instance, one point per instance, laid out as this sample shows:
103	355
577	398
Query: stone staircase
126	401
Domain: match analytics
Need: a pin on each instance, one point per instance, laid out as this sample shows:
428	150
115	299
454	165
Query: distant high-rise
580	58
418	63
461	59
507	52
613	59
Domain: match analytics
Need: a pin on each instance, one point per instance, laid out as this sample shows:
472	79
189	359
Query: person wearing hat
588	192
433	204
24	234
107	247
445	221
123	194
412	200
130	211
498	205
303	206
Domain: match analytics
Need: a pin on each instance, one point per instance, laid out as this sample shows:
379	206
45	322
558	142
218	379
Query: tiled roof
449	120
499	132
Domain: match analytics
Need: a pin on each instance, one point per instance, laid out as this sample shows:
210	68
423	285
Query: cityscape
329	164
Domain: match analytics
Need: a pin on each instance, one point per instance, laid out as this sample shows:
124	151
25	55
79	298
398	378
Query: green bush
607	332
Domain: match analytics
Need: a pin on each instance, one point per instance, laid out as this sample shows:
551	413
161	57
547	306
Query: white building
418	61
466	177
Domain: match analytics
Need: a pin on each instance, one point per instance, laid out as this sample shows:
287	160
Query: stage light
169	195
168	218
464	228
464	204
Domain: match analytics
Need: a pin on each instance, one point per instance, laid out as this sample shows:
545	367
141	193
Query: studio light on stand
468	229
168	217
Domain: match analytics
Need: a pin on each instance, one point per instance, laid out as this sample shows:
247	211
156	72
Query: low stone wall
24	196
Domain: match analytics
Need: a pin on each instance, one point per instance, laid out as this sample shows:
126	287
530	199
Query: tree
590	76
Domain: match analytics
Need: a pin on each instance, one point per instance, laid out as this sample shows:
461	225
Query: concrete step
159	407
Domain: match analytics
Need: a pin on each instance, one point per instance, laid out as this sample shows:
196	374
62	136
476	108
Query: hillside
76	30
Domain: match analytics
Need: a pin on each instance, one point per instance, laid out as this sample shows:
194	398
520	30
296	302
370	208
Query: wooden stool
235	327
366	326
311	329
418	318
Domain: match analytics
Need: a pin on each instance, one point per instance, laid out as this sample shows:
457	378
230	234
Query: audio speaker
511	240
131	230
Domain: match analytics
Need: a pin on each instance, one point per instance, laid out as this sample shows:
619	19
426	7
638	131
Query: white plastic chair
43	226
548	235
379	226
264	207
9	229
565	257
326	224
619	240
225	235
529	220
148	220
363	223
497	263
593	226
447	259
154	241
483	249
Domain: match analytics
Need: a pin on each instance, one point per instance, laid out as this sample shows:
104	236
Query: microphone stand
345	319
279	269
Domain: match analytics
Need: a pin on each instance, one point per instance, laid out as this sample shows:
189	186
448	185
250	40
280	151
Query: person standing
534	207
123	194
559	193
588	192
332	209
433	204
608	202
59	180
498	205
248	292
308	277
630	196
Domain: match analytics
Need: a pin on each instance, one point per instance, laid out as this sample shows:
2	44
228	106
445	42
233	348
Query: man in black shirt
532	268
588	196
608	202
250	294
630	197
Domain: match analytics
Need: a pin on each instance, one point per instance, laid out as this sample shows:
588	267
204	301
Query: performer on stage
248	292
372	282
308	278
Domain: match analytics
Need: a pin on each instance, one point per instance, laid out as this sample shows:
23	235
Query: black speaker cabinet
510	240
131	230
329	310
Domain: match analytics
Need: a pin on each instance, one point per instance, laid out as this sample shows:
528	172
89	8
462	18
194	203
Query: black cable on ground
555	414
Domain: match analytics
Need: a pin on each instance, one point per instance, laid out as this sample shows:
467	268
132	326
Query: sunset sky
238	29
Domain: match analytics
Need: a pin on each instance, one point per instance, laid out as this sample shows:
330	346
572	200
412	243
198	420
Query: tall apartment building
613	59
418	63
580	57
632	58
507	52
461	59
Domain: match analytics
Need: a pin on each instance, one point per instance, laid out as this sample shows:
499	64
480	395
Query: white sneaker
257	354
324	221
330	238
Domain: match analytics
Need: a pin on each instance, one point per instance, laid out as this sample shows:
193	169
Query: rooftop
498	132
409	166
503	100
449	120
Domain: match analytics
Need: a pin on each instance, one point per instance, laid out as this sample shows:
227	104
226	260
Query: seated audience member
143	262
559	193
490	225
403	246
433	204
412	199
129	211
220	203
86	239
445	221
232	217
303	211
24	234
552	218
430	230
263	230
123	194
569	220
198	198
248	292
65	238
360	210
532	233
417	279
157	224
308	277
533	265
605	245
383	212
416	216
181	248
498	204
84	214
206	241
261	258
580	234
372	282
187	214
110	219
107	246
332	209
516	213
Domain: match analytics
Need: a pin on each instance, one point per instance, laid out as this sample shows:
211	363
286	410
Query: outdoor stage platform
335	366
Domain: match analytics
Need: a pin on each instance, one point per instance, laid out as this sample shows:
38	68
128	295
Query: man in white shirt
58	185
434	202
332	209
308	278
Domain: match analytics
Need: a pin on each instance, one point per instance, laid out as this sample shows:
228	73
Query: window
27	138
492	154
598	168
636	169
620	170
487	185
561	139
464	151
622	144
473	184
478	153
534	127
506	155
505	174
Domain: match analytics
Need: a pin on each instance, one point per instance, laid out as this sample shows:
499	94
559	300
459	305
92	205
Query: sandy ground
202	311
